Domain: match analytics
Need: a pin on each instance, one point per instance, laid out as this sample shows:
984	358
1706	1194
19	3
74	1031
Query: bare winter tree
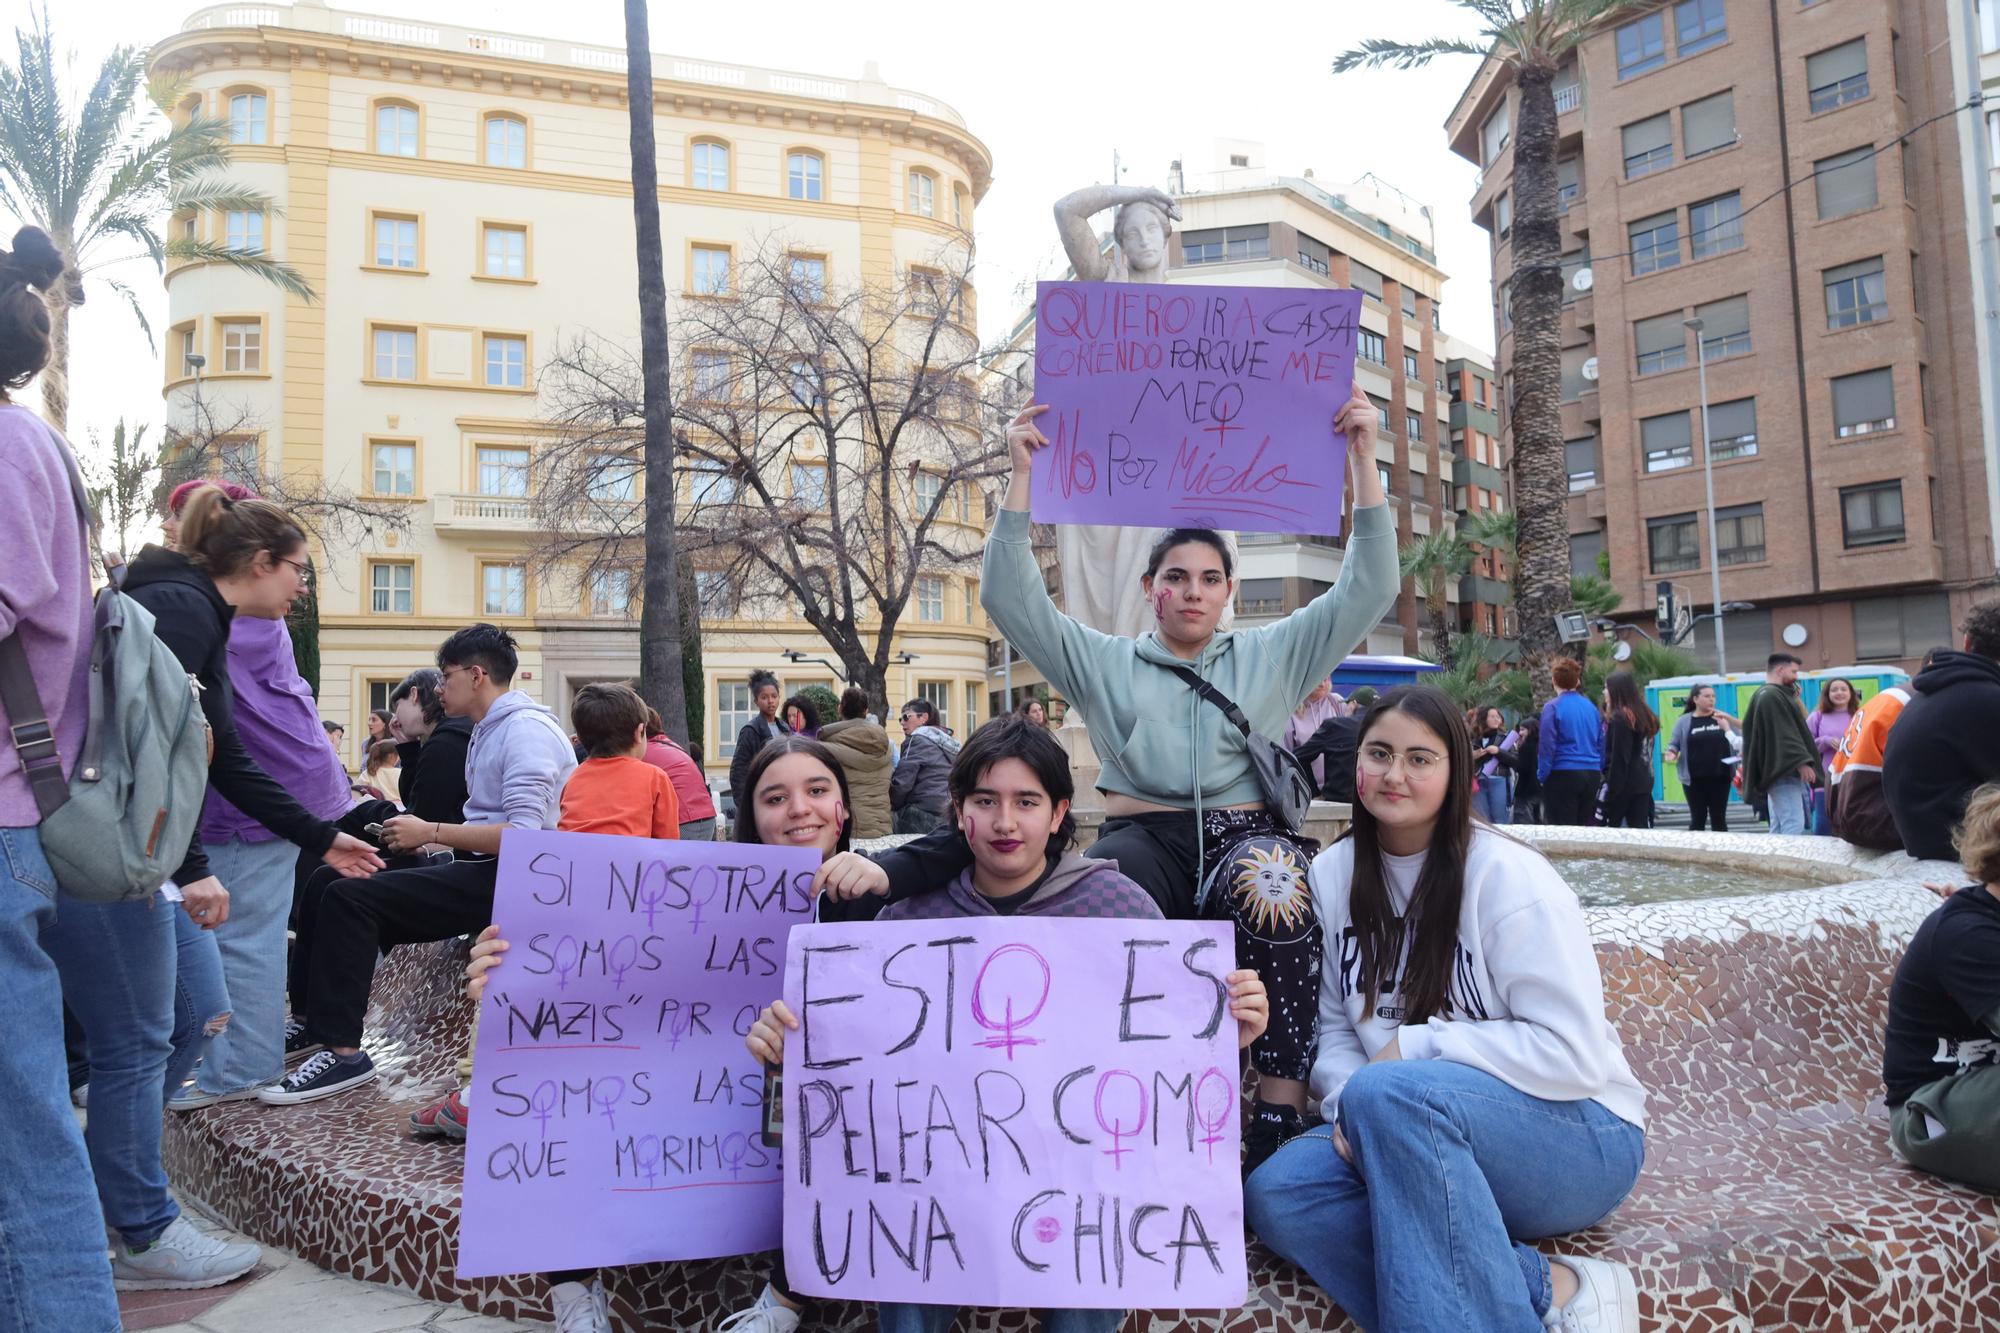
829	442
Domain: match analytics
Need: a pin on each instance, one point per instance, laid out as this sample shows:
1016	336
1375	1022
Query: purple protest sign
1192	406
616	1114
1013	1112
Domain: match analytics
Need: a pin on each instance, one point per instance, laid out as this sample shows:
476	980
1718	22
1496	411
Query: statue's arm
1075	210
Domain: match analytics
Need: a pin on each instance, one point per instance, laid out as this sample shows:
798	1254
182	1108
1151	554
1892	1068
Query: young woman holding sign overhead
1180	792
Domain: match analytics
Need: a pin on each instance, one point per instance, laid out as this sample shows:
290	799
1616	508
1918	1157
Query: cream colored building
460	199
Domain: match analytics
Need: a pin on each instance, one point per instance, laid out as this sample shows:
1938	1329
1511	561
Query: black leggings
1569	796
1280	939
1708	803
1634	810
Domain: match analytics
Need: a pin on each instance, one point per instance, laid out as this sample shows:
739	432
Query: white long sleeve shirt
1527	999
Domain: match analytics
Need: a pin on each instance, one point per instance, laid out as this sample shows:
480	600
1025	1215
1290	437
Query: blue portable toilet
1668	696
1384	673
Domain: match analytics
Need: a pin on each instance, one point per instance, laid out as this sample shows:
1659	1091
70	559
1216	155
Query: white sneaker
1606	1300
766	1316
581	1307
182	1259
190	1097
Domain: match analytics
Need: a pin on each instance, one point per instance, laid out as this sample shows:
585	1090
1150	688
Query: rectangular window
1845	182
248	121
506	250
1715	226
805	385
394	468
709	377
396	130
1224	244
614	478
1573	263
1666	441
244	231
395	242
1364	277
711	166
1709	124
1574	384
1371	347
239	458
1838	76
506	362
1864	403
1584	550
709	483
1413	427
1493	138
503	590
1655	243
711	270
1503	214
930	599
1409	304
392	587
1569	183
242	347
925	488
1725	327
809	485
937	693
805	175
502	471
1739	535
1661	343
395	354
1732	429
1907	626
1871	515
1410	365
717	594
506	142
1855	294
1581	458
733	709
611	593
923	194
1673	544
1698	25
1642	45
190	347
1649	146
808	277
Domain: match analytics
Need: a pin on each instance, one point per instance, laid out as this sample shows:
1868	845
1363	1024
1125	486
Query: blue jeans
1787	800
1453	1170
937	1319
53	1274
250	1052
1493	802
148	1008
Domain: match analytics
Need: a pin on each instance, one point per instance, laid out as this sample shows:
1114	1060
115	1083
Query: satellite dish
1582	281
1590	370
1623	652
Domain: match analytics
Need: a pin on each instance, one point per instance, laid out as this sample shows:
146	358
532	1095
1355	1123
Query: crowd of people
1437	1084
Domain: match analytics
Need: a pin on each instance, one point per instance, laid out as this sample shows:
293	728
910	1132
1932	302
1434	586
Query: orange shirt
1867	737
620	795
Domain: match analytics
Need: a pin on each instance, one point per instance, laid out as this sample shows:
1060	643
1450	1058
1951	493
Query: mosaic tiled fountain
1749	984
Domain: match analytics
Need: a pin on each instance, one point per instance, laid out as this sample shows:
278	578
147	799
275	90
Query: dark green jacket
1776	742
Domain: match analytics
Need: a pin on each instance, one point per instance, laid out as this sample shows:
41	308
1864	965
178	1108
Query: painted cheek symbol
1009	1025
1160	600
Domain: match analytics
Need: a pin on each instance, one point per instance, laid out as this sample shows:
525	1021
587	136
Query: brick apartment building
1850	474
1479	474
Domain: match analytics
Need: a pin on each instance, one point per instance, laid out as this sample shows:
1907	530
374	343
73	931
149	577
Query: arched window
923	193
396	129
249	117
709	165
805	175
506	141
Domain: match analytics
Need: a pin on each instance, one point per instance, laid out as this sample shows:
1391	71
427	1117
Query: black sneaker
297	1044
1271	1128
322	1075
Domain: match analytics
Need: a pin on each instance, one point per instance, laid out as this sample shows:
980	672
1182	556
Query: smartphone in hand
774	1106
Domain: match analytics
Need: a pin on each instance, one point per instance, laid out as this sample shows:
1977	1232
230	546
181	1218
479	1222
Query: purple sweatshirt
44	594
280	727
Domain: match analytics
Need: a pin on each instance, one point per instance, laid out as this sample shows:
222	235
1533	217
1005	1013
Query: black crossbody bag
1286	785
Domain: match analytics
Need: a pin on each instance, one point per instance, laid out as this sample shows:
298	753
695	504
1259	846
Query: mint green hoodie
1155	737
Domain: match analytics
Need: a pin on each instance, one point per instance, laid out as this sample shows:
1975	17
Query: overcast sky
1051	97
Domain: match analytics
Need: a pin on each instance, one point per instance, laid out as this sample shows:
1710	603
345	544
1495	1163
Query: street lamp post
1708	480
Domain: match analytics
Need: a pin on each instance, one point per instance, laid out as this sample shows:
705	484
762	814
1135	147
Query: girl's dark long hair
1628	703
775	749
1421	941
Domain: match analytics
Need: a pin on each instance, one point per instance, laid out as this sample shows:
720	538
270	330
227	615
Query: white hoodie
1527	999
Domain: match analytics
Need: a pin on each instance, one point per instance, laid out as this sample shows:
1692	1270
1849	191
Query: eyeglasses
1416	763
305	570
446	673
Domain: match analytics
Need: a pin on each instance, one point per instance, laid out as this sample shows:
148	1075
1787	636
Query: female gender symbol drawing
543	1103
1117	1129
702	874
1214	1104
1009	1025
607	1093
652	892
567	957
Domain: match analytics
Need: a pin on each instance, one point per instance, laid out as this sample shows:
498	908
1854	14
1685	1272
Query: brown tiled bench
1770	1199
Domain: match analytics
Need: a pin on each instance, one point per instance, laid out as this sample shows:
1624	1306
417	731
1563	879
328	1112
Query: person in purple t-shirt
279	722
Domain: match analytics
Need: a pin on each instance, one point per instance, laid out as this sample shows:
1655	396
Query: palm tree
1435	561
1593	595
99	177
661	679
124	476
1530	40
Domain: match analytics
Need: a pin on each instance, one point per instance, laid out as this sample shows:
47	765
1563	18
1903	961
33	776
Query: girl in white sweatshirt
1474	1093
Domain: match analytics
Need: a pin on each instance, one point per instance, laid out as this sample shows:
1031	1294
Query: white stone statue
1101	566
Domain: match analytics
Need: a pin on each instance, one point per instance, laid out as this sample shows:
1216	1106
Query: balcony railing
1569	98
473	514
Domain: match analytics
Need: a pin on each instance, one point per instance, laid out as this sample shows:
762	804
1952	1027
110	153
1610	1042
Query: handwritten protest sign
1192	406
616	1114
1013	1112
